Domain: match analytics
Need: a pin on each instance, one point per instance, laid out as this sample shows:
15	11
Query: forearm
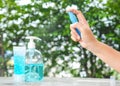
107	54
88	41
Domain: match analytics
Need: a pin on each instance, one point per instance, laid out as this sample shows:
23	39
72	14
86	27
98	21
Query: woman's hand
87	39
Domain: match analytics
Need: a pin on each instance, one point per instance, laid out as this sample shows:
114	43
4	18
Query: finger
77	25
73	30
79	15
74	34
73	39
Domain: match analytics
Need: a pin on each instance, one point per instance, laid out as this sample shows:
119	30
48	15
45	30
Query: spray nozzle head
31	43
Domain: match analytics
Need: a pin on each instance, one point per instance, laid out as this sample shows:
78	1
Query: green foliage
49	21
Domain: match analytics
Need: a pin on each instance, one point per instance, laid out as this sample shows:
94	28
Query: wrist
93	46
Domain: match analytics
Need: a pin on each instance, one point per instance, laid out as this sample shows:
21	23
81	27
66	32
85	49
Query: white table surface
9	81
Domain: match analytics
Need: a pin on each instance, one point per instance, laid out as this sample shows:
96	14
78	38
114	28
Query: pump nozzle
31	43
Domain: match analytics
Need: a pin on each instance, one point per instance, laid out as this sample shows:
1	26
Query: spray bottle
34	62
73	17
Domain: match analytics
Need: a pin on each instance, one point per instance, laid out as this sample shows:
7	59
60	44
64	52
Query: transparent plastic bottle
33	63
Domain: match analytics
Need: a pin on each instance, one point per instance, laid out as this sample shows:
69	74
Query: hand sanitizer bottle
34	62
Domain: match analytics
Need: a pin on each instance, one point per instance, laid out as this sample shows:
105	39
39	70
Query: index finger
79	15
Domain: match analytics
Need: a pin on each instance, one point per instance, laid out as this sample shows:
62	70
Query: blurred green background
48	20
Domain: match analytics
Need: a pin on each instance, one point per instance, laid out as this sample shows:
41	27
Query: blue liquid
33	72
19	64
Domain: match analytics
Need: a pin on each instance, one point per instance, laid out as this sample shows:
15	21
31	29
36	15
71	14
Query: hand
87	39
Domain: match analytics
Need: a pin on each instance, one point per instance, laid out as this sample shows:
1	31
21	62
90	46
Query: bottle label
19	59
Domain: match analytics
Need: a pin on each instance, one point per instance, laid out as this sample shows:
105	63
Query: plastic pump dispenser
33	63
31	43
